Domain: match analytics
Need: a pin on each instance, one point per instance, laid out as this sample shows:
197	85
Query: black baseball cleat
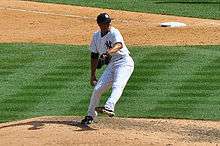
106	111
87	120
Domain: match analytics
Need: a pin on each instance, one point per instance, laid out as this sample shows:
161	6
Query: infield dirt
22	21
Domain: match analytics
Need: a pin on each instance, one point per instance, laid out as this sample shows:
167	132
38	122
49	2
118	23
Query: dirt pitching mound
22	21
110	131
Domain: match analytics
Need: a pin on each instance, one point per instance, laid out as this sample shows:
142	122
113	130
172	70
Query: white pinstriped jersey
98	43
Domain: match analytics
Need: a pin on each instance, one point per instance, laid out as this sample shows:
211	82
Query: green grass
168	82
209	9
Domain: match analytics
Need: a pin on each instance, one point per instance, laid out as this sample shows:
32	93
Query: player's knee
118	86
97	90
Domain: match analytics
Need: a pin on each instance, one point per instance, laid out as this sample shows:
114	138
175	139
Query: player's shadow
39	124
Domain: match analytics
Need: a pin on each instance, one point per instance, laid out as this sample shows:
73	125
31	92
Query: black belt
118	59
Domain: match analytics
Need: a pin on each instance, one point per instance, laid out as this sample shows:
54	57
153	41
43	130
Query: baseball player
108	47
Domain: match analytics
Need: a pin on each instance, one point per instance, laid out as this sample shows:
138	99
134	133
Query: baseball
94	83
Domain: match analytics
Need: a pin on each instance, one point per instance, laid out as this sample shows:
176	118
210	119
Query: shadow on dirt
39	124
198	134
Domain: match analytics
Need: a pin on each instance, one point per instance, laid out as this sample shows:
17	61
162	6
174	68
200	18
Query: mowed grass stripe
72	76
207	90
168	82
36	82
177	70
30	69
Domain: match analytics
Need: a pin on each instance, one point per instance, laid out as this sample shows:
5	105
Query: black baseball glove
104	59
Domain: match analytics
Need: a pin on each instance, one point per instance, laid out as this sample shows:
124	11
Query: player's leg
121	76
103	84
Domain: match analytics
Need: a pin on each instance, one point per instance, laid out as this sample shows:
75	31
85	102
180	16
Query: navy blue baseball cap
103	18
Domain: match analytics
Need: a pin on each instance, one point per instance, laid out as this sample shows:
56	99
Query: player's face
104	27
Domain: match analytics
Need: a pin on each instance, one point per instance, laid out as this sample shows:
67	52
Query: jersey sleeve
93	47
117	37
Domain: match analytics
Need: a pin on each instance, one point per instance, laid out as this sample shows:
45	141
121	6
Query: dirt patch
110	131
22	21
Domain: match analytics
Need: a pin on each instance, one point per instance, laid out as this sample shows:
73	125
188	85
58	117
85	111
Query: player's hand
93	80
105	55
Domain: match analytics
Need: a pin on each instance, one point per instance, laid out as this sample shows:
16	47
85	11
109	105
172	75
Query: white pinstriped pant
116	75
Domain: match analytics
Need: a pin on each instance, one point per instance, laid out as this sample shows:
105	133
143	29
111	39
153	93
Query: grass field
209	9
168	82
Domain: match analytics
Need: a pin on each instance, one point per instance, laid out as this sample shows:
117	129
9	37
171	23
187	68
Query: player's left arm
117	42
116	47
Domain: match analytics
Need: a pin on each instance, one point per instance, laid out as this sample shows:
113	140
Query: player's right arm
94	60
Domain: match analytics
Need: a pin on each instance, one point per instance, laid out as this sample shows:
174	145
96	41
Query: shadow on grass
39	124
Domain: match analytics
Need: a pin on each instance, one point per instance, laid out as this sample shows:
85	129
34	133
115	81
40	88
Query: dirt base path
22	21
110	131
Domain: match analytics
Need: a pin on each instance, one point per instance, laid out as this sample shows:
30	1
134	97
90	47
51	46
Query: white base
172	24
